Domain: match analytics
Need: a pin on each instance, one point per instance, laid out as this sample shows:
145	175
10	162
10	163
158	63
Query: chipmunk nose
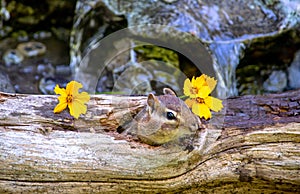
194	126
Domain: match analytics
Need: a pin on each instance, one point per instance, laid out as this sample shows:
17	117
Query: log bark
252	146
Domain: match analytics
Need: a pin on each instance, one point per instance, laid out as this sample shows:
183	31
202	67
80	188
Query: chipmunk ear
168	91
152	102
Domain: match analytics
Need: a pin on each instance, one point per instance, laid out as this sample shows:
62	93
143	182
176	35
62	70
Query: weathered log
253	146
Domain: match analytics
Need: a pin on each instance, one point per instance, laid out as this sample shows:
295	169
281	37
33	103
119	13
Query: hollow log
253	146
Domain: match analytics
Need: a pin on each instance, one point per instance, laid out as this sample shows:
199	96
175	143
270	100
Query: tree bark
252	146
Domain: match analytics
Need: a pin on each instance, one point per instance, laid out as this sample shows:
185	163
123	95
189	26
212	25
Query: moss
147	52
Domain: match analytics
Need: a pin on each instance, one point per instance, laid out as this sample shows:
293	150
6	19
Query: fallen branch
254	146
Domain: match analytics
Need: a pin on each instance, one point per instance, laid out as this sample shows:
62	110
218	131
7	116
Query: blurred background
253	47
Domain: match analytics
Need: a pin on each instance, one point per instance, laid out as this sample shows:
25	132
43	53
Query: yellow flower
195	88
198	90
71	98
190	88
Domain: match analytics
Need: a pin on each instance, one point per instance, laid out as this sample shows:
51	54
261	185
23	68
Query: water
225	30
81	11
4	16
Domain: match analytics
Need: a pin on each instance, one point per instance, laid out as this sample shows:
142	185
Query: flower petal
60	107
211	82
187	87
201	110
213	103
203	92
83	97
61	91
189	102
77	108
199	81
73	87
193	80
62	99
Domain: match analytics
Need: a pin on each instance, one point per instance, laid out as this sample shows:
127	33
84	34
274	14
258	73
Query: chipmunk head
166	118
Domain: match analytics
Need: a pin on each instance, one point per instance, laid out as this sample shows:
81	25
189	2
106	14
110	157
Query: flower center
194	90
200	100
69	98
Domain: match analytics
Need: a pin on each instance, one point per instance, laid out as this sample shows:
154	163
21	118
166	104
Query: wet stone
294	72
12	56
5	30
105	82
227	28
276	82
42	35
47	84
47	70
27	69
61	33
20	35
63	70
5	83
17	88
31	49
169	1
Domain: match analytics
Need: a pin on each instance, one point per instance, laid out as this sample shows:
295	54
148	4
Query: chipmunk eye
170	116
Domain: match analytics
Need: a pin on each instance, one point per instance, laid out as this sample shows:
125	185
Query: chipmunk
165	118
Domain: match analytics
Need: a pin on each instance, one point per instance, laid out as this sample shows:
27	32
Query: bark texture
252	146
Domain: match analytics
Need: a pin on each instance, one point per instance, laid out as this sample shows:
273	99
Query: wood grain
252	146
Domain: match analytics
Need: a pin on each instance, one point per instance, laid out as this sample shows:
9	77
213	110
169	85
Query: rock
20	35
61	33
133	80
5	30
47	84
47	70
12	56
5	83
105	83
294	72
31	49
63	70
226	27
29	16
276	82
42	35
27	69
